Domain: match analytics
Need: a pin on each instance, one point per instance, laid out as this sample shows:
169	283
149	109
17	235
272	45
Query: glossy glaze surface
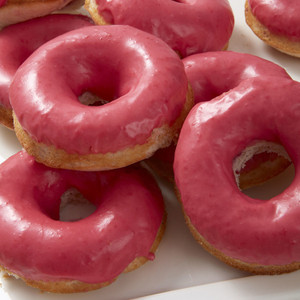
211	74
143	76
2	2
188	26
19	41
214	73
215	132
36	245
279	16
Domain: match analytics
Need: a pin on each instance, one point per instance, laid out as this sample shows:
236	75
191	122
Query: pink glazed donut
18	41
276	22
133	72
15	11
66	257
187	26
258	236
211	74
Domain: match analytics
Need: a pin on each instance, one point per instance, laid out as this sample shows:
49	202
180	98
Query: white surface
180	262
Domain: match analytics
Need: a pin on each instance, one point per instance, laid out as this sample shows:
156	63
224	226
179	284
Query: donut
66	257
20	40
15	11
257	236
187	26
120	63
210	75
276	23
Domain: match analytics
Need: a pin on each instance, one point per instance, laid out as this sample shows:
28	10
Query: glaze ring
65	257
134	69
257	236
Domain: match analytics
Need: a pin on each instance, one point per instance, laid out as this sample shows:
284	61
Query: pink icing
143	76
187	26
18	41
36	245
2	2
279	16
211	74
214	133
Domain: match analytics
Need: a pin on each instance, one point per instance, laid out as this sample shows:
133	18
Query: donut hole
74	206
91	99
263	170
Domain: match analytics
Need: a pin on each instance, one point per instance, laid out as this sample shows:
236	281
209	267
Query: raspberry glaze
279	16
35	245
120	63
19	41
187	26
214	133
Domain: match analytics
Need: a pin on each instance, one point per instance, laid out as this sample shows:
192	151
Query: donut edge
58	158
16	12
253	268
91	7
75	286
279	42
6	117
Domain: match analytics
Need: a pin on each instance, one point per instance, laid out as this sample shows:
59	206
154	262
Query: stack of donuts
91	98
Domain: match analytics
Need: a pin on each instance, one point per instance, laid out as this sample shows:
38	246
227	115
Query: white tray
182	269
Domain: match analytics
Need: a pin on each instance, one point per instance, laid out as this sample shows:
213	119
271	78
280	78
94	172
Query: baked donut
65	257
20	40
276	23
210	75
134	69
187	26
15	11
258	236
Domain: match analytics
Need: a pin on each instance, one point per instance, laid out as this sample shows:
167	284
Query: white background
180	262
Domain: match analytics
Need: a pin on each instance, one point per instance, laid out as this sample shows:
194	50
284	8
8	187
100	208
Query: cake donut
133	71
65	257
15	11
20	40
276	23
258	236
210	75
187	26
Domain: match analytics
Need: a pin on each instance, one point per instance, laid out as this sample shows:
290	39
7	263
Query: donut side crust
15	11
236	263
59	158
91	7
264	172
75	286
278	42
6	117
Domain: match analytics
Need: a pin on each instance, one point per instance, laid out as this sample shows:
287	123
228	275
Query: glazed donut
187	26
254	235
276	23
65	257
133	68
20	40
210	75
15	11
